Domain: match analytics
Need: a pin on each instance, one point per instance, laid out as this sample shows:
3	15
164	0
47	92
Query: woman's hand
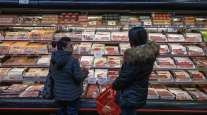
107	110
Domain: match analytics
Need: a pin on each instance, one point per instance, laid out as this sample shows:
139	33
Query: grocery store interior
177	85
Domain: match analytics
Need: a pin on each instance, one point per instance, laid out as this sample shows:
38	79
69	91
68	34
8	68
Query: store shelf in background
103	42
204	82
27	40
24	54
24	66
34	79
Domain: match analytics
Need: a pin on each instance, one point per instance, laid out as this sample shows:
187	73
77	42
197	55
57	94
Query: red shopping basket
107	98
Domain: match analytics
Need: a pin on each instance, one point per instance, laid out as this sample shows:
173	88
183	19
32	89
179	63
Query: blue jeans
68	107
128	111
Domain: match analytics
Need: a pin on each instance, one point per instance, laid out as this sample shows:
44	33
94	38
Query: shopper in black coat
132	83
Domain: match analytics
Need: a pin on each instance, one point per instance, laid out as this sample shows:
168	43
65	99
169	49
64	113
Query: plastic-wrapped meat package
196	75
3	73
32	91
165	94
181	76
20	60
44	60
92	91
98	49
164	76
101	75
195	51
197	94
178	49
157	37
36	72
15	89
180	94
164	49
100	62
12	35
76	36
87	61
18	48
123	47
165	62
85	48
111	50
193	37
175	38
203	88
91	79
152	94
114	61
15	74
3	88
5	47
184	63
119	36
36	48
153	76
200	62
112	74
88	36
102	36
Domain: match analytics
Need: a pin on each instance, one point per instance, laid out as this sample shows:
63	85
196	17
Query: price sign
23	1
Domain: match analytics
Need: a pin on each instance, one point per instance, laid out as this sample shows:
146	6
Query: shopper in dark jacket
67	77
132	83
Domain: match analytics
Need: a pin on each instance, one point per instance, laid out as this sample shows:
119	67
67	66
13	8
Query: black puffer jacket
132	83
67	76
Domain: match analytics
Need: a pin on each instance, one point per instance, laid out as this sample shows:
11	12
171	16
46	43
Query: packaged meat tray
200	61
15	74
18	48
12	35
32	91
91	79
180	94
87	61
44	60
36	72
15	89
36	48
203	88
197	94
164	76
165	94
92	91
5	47
195	51
3	88
189	20
177	49
175	38
114	61
85	48
88	36
20	60
161	19
184	63
153	76
49	19
112	74
164	49
177	20
100	62
165	62
119	36
157	37
123	47
102	36
146	20
76	36
111	50
101	75
196	75
181	76
193	37
7	19
152	94
3	73
98	50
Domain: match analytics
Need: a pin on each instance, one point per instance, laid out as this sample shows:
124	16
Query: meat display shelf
28	40
24	66
24	54
203	82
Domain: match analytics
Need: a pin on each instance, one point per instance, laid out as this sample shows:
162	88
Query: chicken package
5	47
178	49
85	48
18	48
195	51
111	50
7	19
15	74
152	94
87	61
12	35
196	75
16	89
91	79
3	88
112	74
3	73
157	37
153	76
193	37
189	20
180	94
165	62
164	49
102	36
49	19
164	76
32	91
36	72
119	36
20	60
175	38
165	94
114	61
88	36
181	76
200	61
76	36
184	63
92	91
36	48
98	50
44	60
100	62
123	47
101	75
197	94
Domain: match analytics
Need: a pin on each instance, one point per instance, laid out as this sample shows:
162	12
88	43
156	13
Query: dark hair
62	43
137	36
54	44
